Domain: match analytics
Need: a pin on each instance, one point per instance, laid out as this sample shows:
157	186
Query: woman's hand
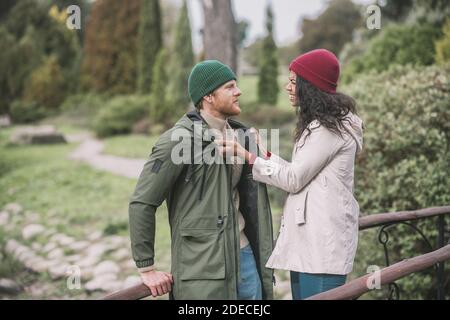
255	132
232	148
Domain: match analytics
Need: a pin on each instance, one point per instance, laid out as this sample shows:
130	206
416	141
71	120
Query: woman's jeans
249	287
304	285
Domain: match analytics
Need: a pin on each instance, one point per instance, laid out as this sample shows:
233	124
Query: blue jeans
249	286
304	285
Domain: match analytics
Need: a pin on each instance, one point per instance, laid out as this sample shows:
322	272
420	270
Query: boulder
37	135
8	286
32	230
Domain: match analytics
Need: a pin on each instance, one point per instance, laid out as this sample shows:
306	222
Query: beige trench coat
319	226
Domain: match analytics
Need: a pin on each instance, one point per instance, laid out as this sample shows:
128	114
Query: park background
81	109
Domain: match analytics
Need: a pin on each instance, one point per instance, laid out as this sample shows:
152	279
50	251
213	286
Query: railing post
440	265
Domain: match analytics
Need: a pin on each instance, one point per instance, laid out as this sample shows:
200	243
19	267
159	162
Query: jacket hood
354	126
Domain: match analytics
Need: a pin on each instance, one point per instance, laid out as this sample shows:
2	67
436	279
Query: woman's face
290	88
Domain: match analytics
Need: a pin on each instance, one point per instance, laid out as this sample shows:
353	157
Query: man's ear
208	98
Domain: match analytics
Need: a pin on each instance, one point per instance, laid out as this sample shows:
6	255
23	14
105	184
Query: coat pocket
300	210
202	255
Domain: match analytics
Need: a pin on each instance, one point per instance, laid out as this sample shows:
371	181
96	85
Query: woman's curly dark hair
330	109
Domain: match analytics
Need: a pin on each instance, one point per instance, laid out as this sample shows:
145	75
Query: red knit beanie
320	67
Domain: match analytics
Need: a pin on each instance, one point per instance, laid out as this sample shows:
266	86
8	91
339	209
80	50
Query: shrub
46	85
442	46
120	114
397	44
404	165
25	112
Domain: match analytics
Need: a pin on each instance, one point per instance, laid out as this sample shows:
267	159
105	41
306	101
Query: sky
287	15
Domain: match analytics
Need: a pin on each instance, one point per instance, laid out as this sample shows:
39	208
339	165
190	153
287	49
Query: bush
25	112
404	165
46	85
398	44
442	46
120	114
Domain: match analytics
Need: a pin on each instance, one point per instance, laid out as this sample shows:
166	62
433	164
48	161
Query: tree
149	43
220	32
443	45
109	63
159	108
332	29
46	85
182	62
30	34
268	67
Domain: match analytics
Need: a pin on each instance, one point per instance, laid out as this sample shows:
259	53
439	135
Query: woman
319	227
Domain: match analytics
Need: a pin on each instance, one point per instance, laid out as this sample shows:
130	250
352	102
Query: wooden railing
359	286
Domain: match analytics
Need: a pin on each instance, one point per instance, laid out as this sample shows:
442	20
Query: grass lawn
68	196
130	146
249	87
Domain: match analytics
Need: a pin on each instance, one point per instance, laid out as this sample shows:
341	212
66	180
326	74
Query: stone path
90	152
97	262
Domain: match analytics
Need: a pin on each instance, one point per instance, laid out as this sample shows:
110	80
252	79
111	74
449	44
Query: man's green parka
203	221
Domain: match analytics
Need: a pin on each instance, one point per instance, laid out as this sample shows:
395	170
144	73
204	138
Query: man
220	219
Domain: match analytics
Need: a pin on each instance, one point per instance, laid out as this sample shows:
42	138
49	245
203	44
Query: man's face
225	99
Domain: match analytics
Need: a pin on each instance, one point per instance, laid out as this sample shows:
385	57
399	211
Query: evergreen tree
182	62
268	65
159	108
149	42
109	62
332	29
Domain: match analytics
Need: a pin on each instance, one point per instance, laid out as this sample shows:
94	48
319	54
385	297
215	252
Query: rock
121	254
31	261
36	246
45	265
131	281
11	246
96	235
103	283
88	262
13	208
59	270
4	218
98	249
73	258
36	135
55	253
79	245
8	286
5	121
129	264
115	241
32	230
106	267
66	240
49	247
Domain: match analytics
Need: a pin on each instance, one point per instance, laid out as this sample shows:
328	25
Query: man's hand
158	282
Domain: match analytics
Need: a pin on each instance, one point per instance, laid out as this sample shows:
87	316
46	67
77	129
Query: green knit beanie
206	76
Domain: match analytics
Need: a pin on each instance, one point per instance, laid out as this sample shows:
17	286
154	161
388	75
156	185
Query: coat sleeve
318	150
155	181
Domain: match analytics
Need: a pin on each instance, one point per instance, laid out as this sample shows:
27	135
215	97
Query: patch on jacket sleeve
157	165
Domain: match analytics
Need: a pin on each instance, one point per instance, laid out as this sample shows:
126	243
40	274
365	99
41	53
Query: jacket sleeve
318	150
155	181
